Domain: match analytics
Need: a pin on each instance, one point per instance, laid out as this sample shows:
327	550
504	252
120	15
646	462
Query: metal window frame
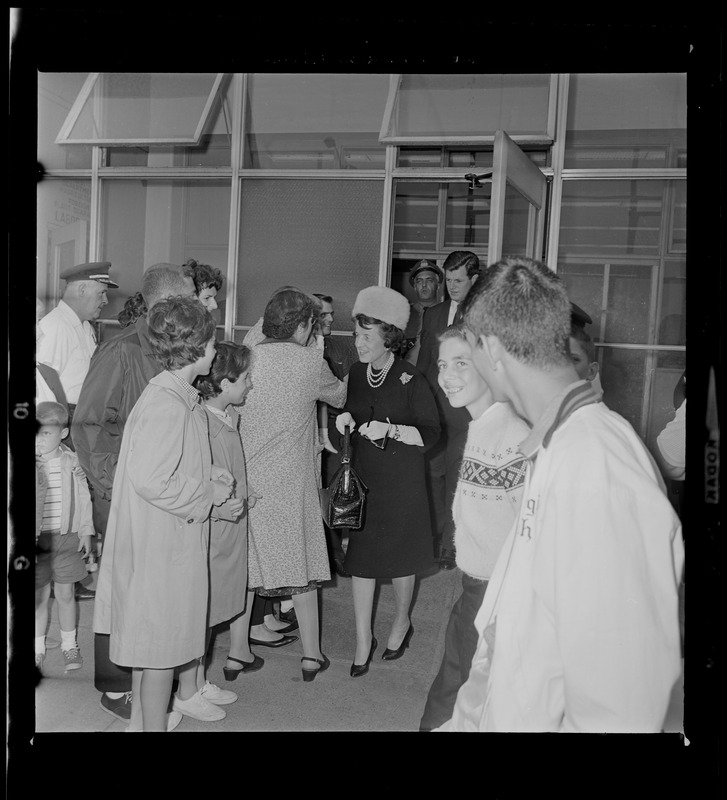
489	139
64	134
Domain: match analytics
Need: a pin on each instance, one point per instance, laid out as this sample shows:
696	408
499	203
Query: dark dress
396	539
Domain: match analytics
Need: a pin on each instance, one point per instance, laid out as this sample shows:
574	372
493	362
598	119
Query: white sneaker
220	697
198	708
173	719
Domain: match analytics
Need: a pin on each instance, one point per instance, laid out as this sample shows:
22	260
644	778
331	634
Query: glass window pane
626	120
144	106
470	105
328	242
611	218
468	216
213	149
57	91
617	297
151	221
673	312
64	214
416	212
516	222
315	121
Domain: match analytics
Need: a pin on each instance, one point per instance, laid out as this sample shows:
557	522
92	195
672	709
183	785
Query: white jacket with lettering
579	627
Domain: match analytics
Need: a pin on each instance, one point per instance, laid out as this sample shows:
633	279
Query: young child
225	387
64	527
486	503
152	594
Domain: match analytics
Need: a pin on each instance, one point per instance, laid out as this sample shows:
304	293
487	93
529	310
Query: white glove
325	441
320	342
374	430
406	434
343	420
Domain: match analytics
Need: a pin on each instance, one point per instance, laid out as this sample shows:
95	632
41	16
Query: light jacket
76	515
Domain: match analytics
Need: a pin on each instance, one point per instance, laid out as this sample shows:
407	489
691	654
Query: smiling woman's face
370	345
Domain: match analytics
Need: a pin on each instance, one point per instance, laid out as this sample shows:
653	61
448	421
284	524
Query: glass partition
314	121
627	121
57	91
329	242
152	221
63	230
467	106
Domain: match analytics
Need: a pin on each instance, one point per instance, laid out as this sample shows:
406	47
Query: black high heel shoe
247	666
357	670
310	674
390	655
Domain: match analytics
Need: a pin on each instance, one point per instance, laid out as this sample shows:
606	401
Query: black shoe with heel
357	670
247	666
390	655
310	674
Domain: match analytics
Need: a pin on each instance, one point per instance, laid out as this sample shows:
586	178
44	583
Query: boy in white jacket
579	627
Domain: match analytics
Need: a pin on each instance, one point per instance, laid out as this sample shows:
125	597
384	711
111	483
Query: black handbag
343	503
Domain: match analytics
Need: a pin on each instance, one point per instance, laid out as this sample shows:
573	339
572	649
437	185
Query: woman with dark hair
288	554
207	282
153	583
393	408
134	308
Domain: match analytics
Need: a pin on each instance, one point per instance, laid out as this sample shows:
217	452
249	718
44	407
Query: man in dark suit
461	270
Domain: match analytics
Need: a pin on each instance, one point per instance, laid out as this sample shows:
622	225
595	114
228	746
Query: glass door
517	216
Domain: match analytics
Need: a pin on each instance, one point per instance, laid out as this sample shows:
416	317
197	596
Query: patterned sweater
489	489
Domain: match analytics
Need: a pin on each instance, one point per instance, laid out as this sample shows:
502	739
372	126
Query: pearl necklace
376	380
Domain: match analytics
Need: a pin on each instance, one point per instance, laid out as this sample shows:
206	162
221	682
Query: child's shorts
58	559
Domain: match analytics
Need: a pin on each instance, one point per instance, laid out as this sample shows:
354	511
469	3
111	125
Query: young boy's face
460	381
207	296
585	368
49	438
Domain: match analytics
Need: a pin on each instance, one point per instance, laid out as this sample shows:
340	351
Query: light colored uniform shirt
67	346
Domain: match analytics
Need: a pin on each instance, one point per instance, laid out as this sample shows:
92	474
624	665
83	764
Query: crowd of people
478	426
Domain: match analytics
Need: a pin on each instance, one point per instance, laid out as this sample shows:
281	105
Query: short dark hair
51	413
393	337
179	329
526	306
579	333
163	280
134	308
452	332
231	360
326	298
462	258
285	311
204	276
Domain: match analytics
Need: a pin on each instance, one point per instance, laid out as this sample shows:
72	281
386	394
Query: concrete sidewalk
390	697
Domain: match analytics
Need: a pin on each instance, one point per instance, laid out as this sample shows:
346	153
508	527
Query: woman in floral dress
287	544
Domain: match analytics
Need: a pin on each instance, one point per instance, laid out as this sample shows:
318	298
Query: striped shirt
53	497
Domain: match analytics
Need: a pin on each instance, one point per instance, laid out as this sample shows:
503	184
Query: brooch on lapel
405	377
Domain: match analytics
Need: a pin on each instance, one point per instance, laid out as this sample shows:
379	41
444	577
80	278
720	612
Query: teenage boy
579	629
486	503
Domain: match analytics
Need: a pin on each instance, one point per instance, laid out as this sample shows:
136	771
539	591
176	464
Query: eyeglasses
380	443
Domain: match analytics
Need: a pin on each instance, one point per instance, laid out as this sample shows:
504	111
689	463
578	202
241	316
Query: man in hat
119	372
68	340
461	270
425	278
